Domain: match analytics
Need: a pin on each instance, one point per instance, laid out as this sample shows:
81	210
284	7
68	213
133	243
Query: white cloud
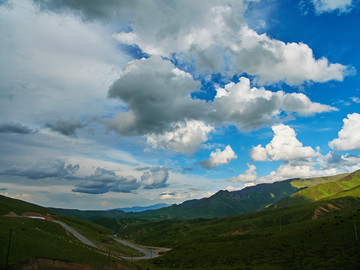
249	176
218	158
273	60
219	40
250	108
183	138
283	146
348	136
326	6
172	195
155	178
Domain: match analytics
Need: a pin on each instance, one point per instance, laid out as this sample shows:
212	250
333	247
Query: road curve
149	252
78	235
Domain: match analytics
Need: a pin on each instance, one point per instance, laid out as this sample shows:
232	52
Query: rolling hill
37	242
348	185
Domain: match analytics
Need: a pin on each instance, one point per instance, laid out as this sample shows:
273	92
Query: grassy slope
322	191
37	238
257	241
43	238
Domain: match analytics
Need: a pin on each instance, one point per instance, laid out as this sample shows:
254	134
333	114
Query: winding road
78	235
149	252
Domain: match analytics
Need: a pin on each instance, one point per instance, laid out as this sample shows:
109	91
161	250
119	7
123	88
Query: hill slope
346	186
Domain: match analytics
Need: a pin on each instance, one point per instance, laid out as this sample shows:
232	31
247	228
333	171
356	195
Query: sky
108	104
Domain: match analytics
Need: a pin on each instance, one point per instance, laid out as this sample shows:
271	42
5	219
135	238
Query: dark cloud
4	2
334	160
67	127
56	168
3	189
15	128
88	10
156	94
155	178
103	181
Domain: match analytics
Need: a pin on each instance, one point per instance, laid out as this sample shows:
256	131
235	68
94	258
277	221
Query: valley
313	225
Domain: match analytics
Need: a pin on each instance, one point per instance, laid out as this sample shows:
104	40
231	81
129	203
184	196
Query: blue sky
109	104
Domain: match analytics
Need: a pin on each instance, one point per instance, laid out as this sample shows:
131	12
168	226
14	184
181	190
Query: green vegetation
33	238
19	207
99	235
300	237
335	189
88	214
37	238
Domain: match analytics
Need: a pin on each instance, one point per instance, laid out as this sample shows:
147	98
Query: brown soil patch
10	214
321	211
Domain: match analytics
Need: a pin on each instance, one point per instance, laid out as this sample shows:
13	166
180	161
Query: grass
101	236
325	243
33	238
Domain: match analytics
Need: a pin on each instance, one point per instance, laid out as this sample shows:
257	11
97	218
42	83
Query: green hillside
334	189
317	235
8	204
38	239
88	214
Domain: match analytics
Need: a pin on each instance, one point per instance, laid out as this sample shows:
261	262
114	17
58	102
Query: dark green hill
345	186
88	214
8	204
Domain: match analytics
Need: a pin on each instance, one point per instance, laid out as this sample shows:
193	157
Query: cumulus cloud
327	6
211	34
54	168
155	178
156	94
183	138
218	158
250	108
283	146
160	105
15	128
273	60
249	176
66	127
103	181
348	136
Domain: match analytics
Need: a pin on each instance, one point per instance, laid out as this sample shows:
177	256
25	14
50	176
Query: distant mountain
142	208
226	203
